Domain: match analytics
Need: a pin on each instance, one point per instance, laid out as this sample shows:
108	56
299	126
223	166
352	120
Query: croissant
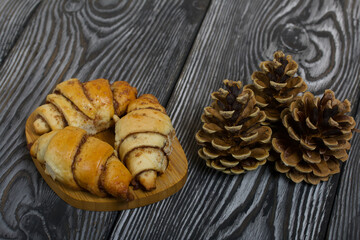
90	105
80	161
143	140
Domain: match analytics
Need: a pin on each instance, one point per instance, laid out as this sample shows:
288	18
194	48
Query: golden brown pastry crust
146	101
44	142
78	160
123	95
139	140
100	94
60	154
49	118
116	178
88	105
72	89
146	158
142	121
71	114
90	162
143	139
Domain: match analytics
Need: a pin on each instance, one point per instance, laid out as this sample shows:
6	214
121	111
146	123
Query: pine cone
275	85
317	140
232	137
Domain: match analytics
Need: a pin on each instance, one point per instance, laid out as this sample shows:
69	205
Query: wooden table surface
180	51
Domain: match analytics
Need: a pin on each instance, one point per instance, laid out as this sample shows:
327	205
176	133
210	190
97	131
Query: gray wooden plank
345	215
143	42
234	38
14	16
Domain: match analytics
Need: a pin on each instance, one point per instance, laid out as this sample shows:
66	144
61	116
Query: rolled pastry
80	161
88	105
143	140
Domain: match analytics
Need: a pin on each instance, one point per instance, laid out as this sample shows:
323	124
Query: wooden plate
167	184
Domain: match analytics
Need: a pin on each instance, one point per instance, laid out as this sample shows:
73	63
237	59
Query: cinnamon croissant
88	105
82	162
143	139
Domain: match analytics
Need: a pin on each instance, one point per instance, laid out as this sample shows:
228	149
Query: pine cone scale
334	166
320	169
338	154
284	99
211	112
259	154
228	164
308	144
210	153
233	129
240	153
303	167
265	134
311	157
211	128
309	124
217	165
281	167
290	158
295	176
278	85
220	144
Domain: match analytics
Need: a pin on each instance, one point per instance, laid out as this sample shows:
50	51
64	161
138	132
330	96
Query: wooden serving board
167	184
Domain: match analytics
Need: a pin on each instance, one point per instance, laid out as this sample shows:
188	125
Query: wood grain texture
14	17
345	217
143	42
235	36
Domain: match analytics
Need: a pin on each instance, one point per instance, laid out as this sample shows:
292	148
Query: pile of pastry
70	154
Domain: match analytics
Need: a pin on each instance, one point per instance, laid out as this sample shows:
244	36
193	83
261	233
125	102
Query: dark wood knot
294	37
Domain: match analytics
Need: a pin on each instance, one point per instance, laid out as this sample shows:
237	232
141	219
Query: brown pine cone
318	134
275	85
232	137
